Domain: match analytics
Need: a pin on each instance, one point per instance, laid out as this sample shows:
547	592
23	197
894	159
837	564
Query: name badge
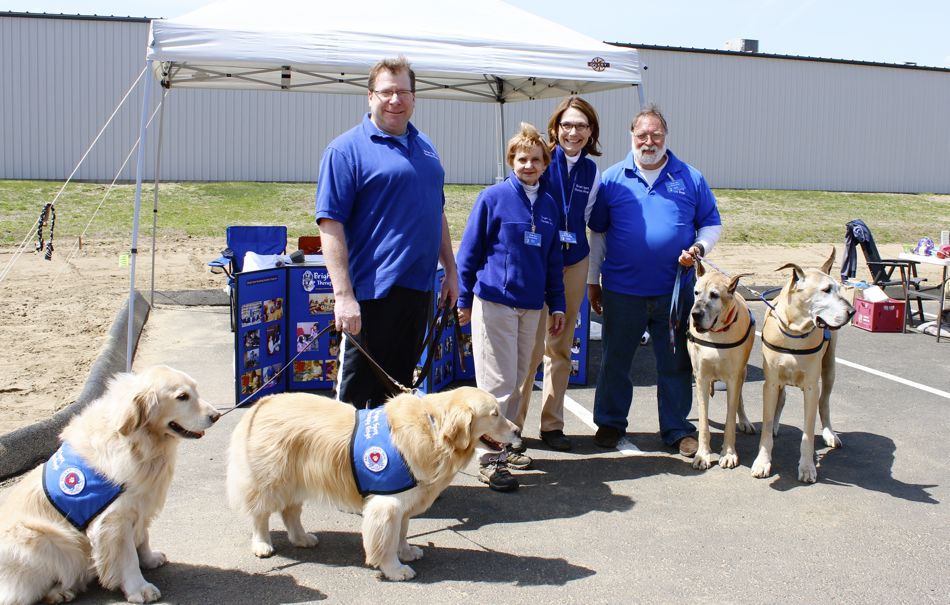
532	239
568	237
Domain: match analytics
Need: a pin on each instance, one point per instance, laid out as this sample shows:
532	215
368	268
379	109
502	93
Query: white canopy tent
486	51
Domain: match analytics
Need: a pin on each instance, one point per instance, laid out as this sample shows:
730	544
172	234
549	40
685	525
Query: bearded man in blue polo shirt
379	205
652	212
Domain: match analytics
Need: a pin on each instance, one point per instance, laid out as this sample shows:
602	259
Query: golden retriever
128	438
296	446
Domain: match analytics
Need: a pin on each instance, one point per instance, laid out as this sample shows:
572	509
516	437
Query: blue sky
869	30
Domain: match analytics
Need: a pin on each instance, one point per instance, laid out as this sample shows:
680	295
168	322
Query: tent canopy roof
476	51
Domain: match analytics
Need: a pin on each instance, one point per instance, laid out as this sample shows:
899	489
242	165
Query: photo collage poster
310	311
260	340
445	356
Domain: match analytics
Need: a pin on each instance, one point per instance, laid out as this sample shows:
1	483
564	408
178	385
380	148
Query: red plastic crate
884	316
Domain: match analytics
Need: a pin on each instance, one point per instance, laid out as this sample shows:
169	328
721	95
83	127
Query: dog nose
213	417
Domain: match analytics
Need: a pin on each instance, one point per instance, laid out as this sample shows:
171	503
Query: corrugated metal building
746	120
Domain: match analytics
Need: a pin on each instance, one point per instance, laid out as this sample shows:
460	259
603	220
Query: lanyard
568	196
519	188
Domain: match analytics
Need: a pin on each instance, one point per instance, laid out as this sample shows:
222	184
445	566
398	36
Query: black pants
393	328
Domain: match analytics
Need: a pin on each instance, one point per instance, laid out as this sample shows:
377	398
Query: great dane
798	338
720	339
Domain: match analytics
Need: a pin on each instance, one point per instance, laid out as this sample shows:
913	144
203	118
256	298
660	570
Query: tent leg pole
139	164
158	165
500	142
642	96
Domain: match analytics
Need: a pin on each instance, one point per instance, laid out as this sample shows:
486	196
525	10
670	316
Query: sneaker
688	446
497	476
556	440
517	461
645	339
607	437
518	445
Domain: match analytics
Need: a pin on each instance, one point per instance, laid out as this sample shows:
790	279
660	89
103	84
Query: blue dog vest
378	467
77	491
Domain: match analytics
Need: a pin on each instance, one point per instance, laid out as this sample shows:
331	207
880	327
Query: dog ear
797	272
700	269
734	282
457	426
826	267
137	411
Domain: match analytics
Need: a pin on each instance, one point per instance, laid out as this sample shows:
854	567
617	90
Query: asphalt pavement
594	526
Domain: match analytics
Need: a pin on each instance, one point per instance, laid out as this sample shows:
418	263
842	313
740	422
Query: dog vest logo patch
72	481
375	459
378	467
75	489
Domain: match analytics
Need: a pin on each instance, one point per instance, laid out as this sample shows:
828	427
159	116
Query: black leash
47	213
290	363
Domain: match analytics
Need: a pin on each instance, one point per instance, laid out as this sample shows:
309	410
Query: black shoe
497	476
607	437
556	440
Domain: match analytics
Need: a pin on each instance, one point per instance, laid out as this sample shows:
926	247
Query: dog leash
48	212
675	320
290	363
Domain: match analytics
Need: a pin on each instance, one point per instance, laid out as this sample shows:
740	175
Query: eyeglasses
387	95
644	136
578	126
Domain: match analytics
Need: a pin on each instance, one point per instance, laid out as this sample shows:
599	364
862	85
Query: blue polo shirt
648	227
496	264
388	196
571	192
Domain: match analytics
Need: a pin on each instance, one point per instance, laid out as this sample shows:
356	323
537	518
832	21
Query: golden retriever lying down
296	446
126	442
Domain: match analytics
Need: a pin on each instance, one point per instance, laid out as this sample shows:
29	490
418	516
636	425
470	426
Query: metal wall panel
745	121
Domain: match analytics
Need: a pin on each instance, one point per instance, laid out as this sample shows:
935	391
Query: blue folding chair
241	239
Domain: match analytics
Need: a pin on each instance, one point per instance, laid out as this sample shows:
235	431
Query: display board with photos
446	366
579	346
260	335
280	310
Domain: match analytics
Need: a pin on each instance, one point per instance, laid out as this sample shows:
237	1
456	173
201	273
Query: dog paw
746	427
408	552
807	473
831	439
144	594
702	460
262	549
729	460
761	468
306	540
59	594
153	559
398	573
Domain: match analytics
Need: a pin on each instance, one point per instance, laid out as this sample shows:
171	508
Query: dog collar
733	316
721	345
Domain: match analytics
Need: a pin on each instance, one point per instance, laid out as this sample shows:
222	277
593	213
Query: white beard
649	155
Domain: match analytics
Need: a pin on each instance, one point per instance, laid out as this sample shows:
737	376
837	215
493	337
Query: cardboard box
884	316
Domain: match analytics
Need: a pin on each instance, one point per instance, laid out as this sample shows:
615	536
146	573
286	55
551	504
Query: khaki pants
502	341
556	352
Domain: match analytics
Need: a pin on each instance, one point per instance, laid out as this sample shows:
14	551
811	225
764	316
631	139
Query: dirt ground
59	312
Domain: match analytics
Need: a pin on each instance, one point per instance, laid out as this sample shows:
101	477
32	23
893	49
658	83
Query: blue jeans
625	318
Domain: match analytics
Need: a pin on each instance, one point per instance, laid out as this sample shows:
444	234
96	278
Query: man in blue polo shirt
379	206
652	212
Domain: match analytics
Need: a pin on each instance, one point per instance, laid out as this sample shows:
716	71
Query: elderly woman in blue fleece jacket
509	266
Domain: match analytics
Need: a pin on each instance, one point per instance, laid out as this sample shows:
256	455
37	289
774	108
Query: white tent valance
475	51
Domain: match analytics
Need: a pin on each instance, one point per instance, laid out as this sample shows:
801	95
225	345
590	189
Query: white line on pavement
624	446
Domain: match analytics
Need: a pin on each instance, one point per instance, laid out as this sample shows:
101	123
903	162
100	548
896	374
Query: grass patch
205	209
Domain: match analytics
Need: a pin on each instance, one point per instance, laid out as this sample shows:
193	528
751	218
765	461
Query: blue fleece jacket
494	261
571	192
